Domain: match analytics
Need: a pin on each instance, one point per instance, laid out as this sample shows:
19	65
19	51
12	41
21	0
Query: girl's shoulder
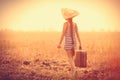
75	26
65	23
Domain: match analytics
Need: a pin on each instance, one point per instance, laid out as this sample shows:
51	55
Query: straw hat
69	13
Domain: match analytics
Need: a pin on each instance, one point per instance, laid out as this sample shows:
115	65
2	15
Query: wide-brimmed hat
69	13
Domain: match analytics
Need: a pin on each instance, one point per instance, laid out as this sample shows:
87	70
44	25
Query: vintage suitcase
81	58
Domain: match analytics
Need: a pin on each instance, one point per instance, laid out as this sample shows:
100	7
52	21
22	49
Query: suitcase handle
80	48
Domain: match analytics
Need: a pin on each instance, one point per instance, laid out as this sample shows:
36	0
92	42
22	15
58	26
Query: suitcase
81	58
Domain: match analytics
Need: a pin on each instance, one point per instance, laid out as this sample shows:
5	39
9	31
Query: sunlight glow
48	17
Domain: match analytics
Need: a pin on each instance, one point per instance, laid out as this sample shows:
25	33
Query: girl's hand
59	46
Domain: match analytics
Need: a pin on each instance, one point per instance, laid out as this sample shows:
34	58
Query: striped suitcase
81	58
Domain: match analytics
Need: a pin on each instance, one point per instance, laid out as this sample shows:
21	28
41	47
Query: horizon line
10	30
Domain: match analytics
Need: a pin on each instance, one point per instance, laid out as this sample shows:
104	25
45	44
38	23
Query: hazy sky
46	14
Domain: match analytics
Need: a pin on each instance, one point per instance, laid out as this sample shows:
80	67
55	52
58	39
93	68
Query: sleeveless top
68	39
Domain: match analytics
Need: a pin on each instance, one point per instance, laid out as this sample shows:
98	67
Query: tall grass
34	56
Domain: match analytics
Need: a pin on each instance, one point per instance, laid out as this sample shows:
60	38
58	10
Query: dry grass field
34	56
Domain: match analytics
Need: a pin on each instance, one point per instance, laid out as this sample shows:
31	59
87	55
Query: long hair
71	31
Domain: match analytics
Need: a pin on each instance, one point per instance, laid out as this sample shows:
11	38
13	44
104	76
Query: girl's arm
77	34
63	34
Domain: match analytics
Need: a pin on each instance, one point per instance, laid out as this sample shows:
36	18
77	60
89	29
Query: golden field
35	56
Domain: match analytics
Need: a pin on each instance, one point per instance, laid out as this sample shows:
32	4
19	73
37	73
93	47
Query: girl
70	29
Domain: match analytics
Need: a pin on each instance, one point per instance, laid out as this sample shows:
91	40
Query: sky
45	15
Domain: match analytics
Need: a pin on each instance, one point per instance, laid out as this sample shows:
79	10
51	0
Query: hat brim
69	13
